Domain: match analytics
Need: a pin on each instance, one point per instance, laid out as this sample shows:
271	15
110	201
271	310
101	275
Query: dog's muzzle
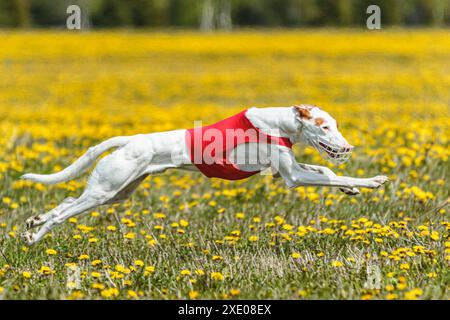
333	153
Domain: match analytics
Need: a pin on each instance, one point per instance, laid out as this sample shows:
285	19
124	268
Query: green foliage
143	13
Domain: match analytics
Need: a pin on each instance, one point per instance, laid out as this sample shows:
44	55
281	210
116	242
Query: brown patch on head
303	112
319	121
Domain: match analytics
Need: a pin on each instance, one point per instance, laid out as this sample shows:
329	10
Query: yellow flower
83	257
51	252
139	263
109	293
26	274
391	296
301	293
184	223
96	262
337	264
199	272
99	286
132	294
235	292
404	266
434	236
73	220
296	255
149	270
75	295
253	238
413	294
130	235
217	276
96	274
159	215
240	215
185	272
45	270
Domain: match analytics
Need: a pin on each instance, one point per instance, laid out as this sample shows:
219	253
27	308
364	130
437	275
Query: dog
235	148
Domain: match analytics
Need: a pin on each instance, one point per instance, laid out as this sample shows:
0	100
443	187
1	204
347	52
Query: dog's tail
80	165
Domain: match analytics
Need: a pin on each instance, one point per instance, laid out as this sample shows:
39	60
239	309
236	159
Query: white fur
117	175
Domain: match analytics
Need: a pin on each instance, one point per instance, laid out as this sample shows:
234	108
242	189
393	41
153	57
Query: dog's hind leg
80	205
112	175
43	218
126	192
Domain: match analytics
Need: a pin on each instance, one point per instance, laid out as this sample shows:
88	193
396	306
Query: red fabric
214	162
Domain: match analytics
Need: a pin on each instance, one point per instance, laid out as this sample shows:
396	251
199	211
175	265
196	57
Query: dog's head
320	130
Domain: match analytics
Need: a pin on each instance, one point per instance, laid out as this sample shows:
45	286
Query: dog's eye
326	128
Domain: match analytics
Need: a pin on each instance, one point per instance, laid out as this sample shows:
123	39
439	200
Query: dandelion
45	270
240	215
301	293
96	262
185	272
184	223
149	270
199	272
391	296
159	216
217	276
235	292
337	264
110	293
130	235
139	263
413	294
296	255
404	266
75	295
51	252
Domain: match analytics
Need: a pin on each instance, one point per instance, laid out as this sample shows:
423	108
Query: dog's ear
304	112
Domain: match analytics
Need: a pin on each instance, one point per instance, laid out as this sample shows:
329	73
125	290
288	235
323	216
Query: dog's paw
28	238
33	222
378	181
350	191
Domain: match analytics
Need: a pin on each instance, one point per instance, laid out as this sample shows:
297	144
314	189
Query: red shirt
210	146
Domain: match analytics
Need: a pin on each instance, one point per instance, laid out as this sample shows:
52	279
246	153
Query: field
182	236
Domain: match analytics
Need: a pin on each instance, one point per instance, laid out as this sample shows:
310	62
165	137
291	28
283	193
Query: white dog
235	148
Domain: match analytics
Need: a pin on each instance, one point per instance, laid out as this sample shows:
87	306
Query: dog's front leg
328	172
295	175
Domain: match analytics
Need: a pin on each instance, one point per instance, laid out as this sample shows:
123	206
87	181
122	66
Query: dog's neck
277	121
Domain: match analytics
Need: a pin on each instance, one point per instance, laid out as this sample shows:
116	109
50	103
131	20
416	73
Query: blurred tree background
222	14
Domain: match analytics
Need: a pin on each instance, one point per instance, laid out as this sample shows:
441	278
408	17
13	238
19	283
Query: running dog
235	148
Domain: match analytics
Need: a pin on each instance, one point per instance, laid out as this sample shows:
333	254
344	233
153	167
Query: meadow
182	236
